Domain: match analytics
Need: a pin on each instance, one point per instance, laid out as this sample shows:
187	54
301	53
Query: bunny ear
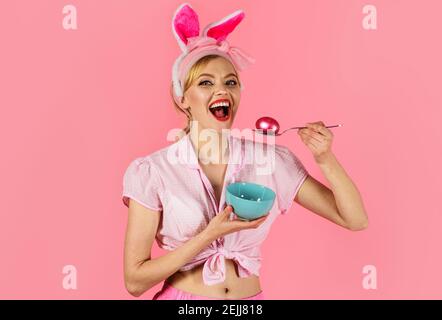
222	28
185	25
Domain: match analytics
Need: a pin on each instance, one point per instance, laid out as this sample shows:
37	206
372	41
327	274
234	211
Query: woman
177	194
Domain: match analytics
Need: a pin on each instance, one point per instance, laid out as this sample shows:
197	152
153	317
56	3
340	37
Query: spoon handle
333	126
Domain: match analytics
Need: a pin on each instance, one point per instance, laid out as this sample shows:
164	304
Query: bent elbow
136	284
358	226
133	285
133	289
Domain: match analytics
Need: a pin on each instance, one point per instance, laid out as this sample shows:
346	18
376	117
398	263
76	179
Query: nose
220	89
221	94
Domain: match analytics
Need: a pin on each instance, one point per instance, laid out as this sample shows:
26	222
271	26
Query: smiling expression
213	97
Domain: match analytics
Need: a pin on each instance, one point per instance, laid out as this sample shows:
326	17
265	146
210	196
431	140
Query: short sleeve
289	175
141	182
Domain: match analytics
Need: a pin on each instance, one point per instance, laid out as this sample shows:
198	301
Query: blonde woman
176	195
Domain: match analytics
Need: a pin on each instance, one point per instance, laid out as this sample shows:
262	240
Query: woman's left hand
318	139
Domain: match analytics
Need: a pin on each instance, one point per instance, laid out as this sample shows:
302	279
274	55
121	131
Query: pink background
78	106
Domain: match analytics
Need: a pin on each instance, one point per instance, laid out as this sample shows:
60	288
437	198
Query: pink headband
185	27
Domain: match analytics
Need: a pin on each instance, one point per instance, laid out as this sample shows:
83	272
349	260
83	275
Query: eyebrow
211	75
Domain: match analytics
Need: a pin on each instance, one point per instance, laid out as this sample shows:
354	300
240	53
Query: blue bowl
250	200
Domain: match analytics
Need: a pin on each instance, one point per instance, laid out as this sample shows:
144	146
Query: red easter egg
267	124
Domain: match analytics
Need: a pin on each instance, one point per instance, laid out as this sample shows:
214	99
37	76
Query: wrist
325	159
206	237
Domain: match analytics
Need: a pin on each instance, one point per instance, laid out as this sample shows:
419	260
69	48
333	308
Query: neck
211	147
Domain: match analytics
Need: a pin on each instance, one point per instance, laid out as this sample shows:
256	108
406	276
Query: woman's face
217	81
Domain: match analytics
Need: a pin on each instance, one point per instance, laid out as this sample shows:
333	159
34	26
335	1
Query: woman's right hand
221	224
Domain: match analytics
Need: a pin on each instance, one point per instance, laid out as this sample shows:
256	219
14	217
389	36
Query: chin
218	126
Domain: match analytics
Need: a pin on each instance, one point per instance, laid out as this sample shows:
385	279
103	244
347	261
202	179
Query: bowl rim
256	184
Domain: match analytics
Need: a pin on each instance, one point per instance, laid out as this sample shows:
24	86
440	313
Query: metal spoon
269	126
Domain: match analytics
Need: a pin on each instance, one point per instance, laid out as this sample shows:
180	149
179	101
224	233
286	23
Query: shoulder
139	167
153	159
143	166
283	153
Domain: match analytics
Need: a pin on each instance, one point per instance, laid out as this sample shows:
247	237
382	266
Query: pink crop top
171	181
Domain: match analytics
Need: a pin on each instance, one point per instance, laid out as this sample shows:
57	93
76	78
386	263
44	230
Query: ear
182	103
185	109
185	25
222	28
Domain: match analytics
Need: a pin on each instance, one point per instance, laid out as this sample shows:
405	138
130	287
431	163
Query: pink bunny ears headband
185	27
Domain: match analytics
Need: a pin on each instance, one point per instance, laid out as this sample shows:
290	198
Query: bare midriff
234	287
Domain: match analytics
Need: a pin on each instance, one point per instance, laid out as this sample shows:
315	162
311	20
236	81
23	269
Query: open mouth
221	110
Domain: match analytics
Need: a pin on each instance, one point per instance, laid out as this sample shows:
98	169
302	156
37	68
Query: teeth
220	104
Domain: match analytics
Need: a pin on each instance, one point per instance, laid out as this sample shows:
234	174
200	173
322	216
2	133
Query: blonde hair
193	74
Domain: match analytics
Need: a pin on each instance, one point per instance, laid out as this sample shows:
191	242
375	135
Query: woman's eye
204	82
230	82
